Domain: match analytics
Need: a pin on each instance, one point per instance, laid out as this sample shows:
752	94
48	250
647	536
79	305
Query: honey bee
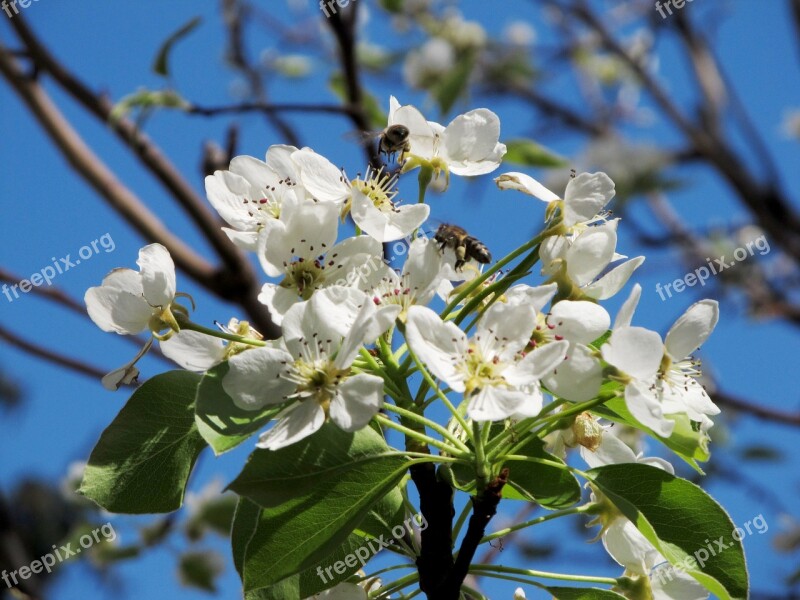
464	245
392	140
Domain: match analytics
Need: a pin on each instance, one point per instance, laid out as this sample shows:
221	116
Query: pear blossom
342	591
199	352
588	240
579	322
624	542
585	198
468	146
416	284
253	192
661	376
489	368
370	201
322	338
129	302
300	249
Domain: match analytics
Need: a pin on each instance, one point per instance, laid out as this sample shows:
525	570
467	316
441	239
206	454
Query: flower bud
588	432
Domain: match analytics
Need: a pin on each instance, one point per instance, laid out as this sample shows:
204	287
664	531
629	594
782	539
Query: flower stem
536	521
487	569
419	436
221	334
413	416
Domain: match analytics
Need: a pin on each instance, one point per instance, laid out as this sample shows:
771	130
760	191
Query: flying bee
391	140
464	245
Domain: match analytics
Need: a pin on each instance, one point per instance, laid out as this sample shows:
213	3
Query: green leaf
681	521
221	423
315	493
200	570
453	85
161	62
550	486
687	440
377	117
530	154
308	582
143	459
567	593
146	101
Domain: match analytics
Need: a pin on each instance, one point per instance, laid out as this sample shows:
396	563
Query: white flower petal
552	252
278	300
493	403
439	345
578	378
611	451
320	177
194	351
505	329
351	262
537	364
626	545
579	321
585	197
525	184
227	192
422	269
369	325
279	158
358	399
635	351
387	226
422	136
245	240
295	423
590	253
125	280
645	407
613	281
625	314
471	137
324	319
670	583
117	311
692	328
536	297
158	275
254	378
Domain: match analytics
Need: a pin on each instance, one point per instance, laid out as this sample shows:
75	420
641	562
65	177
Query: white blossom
253	192
468	146
662	375
322	337
370	201
489	368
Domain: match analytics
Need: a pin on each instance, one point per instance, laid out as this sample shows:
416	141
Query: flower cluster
507	352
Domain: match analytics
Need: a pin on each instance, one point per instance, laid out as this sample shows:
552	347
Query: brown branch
484	508
49	355
234	13
756	410
54	294
95	172
765	200
343	27
145	150
230	285
267	108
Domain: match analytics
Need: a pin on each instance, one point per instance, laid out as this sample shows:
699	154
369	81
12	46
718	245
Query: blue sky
48	212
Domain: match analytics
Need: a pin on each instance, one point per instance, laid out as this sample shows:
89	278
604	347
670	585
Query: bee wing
362	137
